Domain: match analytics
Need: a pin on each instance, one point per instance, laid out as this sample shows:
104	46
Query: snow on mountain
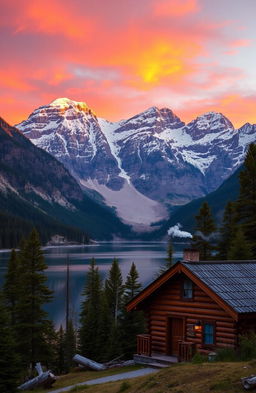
142	163
70	131
247	135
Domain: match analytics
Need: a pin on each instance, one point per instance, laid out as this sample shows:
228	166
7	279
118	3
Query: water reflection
148	257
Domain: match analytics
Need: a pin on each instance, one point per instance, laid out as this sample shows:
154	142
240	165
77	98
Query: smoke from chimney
176	232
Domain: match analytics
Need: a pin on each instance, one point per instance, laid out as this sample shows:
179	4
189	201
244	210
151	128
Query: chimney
190	255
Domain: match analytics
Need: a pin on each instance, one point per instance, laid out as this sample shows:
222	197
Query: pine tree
114	289
113	293
227	230
204	229
48	345
32	326
132	323
169	261
106	330
247	198
239	247
9	362
69	345
132	287
11	285
90	333
60	358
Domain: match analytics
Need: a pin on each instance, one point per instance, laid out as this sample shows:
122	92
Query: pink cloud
119	56
175	8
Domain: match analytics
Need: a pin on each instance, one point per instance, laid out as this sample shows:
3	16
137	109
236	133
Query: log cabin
197	306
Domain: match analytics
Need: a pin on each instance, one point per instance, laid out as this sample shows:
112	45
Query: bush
198	358
247	347
226	355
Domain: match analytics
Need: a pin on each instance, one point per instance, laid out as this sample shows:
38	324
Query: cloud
175	8
97	74
14	79
121	57
53	17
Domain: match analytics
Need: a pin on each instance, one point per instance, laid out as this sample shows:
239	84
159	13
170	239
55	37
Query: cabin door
176	334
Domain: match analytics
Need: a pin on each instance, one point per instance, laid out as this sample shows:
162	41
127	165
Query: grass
78	375
219	377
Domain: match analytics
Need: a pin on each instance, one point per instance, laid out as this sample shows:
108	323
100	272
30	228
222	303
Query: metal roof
232	281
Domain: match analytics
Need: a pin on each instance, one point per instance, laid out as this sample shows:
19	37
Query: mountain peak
211	117
66	103
163	115
209	123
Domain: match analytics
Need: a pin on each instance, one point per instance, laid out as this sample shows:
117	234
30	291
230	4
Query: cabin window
187	289
208	334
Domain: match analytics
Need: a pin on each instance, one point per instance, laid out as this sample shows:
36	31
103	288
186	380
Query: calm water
148	257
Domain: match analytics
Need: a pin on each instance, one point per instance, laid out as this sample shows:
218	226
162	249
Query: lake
147	256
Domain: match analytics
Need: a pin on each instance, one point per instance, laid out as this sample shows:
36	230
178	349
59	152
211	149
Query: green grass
218	377
77	376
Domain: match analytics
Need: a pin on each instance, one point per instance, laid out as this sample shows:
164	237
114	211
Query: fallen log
249	382
83	361
45	379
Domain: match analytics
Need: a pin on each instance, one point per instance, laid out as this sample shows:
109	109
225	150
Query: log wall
167	302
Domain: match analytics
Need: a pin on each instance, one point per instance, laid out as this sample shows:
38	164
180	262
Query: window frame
189	299
213	324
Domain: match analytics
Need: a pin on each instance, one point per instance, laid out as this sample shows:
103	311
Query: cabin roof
231	283
234	282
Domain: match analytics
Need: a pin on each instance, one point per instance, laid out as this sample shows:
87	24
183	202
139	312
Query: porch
186	351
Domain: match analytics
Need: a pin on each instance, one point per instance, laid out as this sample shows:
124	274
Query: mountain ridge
154	157
38	190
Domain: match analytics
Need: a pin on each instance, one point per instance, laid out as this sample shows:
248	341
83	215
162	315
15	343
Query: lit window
208	333
188	289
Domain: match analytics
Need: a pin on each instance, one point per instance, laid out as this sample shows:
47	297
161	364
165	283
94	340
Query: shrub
226	355
247	347
198	358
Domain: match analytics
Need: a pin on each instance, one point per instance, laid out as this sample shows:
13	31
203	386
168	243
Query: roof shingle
234	282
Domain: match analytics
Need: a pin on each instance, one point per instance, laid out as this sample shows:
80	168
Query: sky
124	56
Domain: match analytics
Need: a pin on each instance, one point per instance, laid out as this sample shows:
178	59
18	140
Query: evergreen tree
169	261
69	345
114	290
60	358
114	293
9	362
204	229
239	247
107	338
32	326
132	286
11	285
90	333
227	230
247	198
132	323
48	346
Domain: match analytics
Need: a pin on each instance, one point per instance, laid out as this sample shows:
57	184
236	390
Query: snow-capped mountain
70	131
141	164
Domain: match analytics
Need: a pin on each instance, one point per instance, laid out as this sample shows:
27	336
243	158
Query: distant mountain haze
144	165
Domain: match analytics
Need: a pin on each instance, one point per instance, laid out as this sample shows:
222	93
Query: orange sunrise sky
123	56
